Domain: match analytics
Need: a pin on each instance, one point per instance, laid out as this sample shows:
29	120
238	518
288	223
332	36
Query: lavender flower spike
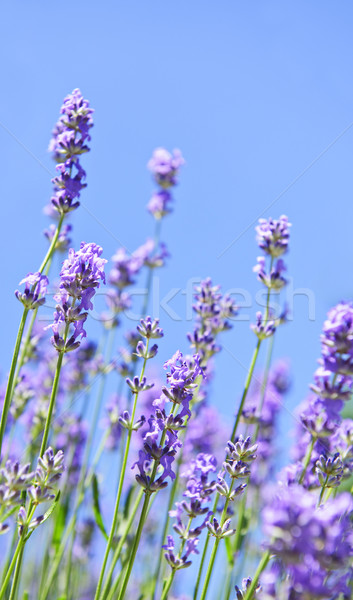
165	166
273	235
35	290
81	274
69	141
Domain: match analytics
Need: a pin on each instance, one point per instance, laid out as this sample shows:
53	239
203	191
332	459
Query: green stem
51	248
142	520
323	490
11	379
202	562
120	487
157	233
264	384
9	571
168	583
72	523
96	412
17	558
141	524
119	549
246	388
235	427
16	577
7	399
23	351
53	395
307	459
215	547
262	566
173	490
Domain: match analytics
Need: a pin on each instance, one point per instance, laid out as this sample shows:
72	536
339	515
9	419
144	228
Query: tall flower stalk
69	140
148	329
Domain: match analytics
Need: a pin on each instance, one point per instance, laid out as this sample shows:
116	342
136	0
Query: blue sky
258	96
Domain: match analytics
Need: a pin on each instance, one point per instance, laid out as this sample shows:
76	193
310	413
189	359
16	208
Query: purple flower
76	116
35	290
312	542
273	280
69	141
263	328
165	166
81	274
273	235
183	371
159	204
213	314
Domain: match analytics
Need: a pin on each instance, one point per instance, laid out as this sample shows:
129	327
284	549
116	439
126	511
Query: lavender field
177	378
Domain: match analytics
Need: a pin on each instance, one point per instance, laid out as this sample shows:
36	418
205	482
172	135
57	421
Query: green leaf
96	508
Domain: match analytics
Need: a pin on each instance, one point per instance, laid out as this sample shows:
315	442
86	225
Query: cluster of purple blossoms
161	441
273	238
69	141
198	493
314	544
80	276
35	290
164	167
15	480
239	456
320	414
245	584
213	313
272	235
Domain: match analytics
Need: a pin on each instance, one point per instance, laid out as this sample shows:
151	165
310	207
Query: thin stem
51	403
10	382
202	562
17	558
168	585
119	549
172	494
96	412
235	427
72	523
246	388
51	248
169	581
16	577
262	566
323	490
24	348
157	233
120	487
215	547
11	379
264	384
9	571
307	459
142	520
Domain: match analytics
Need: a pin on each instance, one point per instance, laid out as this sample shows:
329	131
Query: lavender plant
150	492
